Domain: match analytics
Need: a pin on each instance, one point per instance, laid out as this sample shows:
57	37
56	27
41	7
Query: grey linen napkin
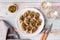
11	32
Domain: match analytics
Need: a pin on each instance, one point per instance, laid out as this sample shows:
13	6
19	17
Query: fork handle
44	36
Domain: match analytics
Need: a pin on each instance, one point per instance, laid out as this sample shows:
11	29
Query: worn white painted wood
21	0
29	0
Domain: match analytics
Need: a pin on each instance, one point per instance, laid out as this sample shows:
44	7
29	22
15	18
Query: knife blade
49	27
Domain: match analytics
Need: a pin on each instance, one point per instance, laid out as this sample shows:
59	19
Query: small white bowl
23	33
9	6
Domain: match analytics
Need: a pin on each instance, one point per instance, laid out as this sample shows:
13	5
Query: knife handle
44	36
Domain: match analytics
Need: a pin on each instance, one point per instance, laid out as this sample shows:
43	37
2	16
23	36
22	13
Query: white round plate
23	33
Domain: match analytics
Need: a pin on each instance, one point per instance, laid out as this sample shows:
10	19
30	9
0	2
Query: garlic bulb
45	5
52	14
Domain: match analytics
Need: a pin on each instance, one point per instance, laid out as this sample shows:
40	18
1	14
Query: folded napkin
7	31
